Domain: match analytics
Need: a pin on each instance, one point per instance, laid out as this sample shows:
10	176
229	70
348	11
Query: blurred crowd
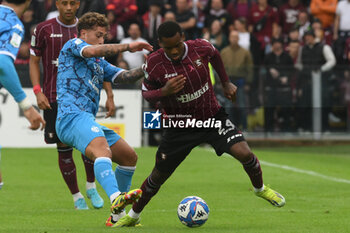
270	48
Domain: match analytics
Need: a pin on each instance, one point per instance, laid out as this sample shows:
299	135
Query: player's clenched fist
174	85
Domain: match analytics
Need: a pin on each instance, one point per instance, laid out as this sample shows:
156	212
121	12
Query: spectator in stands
135	59
92	5
278	95
169	16
215	10
289	15
341	30
294	49
151	21
239	8
303	23
198	7
238	64
315	58
216	36
293	34
116	31
185	17
125	10
325	11
263	23
321	35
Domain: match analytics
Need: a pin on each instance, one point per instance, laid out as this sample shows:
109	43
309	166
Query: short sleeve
38	42
77	46
11	38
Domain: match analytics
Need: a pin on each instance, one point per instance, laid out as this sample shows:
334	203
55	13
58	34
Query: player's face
173	47
67	10
94	36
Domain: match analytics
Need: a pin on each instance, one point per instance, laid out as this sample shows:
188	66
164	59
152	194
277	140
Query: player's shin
105	176
149	189
253	169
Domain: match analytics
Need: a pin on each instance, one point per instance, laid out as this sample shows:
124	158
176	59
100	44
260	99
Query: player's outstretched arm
106	50
129	76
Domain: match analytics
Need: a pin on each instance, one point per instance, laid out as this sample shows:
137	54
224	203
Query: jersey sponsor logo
95	129
151	120
195	95
170	75
55	35
16	40
19	27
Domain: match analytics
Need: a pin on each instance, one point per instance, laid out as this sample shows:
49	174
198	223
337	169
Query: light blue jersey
80	79
79	83
11	32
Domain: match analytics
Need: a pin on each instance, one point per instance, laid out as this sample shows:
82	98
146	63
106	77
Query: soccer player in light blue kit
81	72
11	34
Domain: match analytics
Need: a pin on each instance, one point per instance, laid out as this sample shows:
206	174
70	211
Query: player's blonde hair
91	20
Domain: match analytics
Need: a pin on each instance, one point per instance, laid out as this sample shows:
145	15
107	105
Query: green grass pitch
316	185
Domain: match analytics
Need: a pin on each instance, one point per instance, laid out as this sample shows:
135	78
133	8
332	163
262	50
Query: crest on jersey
198	62
16	40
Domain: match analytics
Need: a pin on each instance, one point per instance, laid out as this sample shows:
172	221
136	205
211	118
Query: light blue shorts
78	130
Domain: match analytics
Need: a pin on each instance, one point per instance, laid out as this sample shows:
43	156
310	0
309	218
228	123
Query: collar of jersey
8	7
67	26
185	54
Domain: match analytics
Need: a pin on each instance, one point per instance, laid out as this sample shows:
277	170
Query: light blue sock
124	174
104	175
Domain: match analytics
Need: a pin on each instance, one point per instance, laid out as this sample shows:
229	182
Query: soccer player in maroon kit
178	77
47	42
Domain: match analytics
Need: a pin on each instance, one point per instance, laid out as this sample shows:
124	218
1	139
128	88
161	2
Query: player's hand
34	119
230	91
174	85
139	46
42	101
110	106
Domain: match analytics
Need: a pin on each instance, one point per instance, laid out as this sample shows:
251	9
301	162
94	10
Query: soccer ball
193	211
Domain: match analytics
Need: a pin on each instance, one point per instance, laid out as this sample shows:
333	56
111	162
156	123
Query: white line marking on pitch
294	169
312	173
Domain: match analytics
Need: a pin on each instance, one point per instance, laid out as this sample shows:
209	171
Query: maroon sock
89	169
148	191
254	172
67	167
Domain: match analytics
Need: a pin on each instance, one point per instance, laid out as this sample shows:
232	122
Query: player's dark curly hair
17	2
91	20
168	29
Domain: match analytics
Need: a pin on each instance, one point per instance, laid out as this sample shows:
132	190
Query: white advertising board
14	131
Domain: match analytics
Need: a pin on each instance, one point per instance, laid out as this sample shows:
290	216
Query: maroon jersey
47	41
289	16
271	15
197	98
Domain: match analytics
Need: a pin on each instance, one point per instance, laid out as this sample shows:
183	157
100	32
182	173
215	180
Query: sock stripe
251	163
64	149
127	168
103	159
